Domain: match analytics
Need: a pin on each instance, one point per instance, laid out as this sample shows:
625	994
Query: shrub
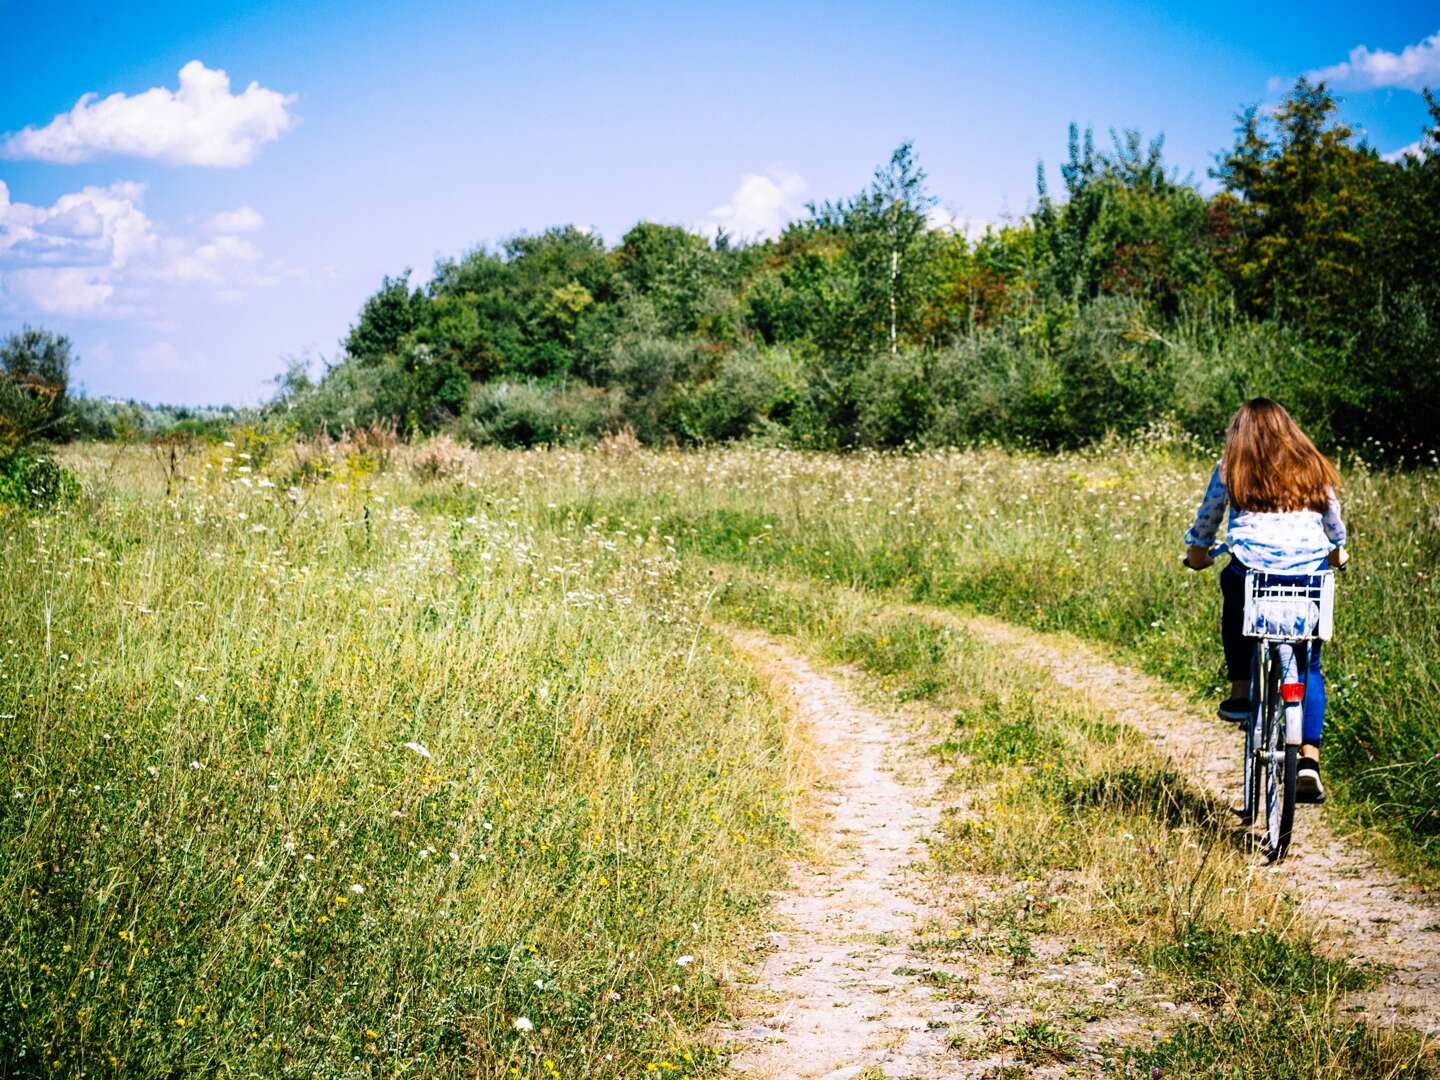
34	381
994	386
894	400
33	480
505	413
751	392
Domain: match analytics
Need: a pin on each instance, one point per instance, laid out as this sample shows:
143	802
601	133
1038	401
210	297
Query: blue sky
189	244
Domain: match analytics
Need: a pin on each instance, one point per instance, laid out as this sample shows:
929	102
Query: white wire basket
1285	608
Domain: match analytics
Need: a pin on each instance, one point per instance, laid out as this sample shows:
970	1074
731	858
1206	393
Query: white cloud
57	290
240	220
1412	68
760	206
201	123
943	219
96	252
1420	148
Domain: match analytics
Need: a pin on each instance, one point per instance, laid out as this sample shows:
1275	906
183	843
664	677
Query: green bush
505	413
894	399
994	386
752	392
33	480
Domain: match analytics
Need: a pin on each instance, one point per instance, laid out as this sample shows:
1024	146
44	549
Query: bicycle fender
1294	723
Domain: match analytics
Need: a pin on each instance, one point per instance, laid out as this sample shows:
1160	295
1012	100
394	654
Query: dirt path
841	1007
864	978
1371	912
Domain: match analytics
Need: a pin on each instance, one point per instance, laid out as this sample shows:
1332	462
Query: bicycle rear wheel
1281	764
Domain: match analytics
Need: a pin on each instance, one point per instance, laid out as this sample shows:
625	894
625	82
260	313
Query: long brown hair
1271	465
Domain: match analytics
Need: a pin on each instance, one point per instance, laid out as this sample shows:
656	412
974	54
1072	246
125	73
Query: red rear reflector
1292	692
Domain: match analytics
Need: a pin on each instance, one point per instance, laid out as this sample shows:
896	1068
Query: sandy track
1368	911
853	984
841	1007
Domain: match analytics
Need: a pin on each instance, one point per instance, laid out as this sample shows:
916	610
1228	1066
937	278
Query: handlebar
1214	553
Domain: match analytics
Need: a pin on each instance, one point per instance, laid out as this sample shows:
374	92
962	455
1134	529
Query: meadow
351	759
1088	543
318	779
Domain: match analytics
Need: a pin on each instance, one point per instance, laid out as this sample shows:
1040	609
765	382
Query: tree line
1129	294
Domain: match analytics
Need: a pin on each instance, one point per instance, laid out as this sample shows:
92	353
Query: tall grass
346	758
1089	543
364	777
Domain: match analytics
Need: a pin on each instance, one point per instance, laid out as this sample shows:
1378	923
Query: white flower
522	1023
418	748
684	961
196	765
357	888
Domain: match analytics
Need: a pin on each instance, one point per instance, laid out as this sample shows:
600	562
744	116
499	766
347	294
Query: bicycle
1284	614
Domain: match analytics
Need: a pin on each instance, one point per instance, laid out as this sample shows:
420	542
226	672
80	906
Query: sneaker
1308	788
1235	709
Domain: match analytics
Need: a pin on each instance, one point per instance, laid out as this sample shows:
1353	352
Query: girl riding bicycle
1284	519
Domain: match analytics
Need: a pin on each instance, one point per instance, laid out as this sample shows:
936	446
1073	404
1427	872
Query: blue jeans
1239	650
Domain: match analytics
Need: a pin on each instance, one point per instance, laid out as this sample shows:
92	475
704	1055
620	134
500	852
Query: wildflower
357	889
684	961
418	748
522	1023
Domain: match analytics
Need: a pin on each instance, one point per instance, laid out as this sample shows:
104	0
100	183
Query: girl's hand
1198	558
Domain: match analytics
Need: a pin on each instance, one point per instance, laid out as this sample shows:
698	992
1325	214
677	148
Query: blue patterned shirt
1289	542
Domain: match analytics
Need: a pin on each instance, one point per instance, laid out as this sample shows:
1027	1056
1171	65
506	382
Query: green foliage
34	384
752	392
385	320
33	480
526	414
1131	295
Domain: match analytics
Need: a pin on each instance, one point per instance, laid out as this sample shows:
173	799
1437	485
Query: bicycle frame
1286	615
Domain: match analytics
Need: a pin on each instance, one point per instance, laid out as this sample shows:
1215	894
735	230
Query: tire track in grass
846	924
854	984
1367	911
